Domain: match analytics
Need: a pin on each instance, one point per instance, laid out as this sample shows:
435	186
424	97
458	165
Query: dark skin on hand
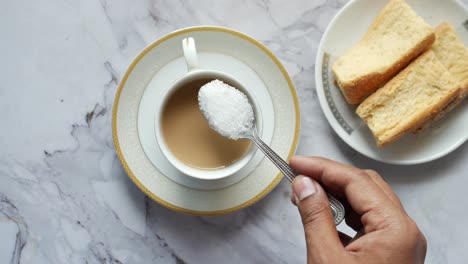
385	232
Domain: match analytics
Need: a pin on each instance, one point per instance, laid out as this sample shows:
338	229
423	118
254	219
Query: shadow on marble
270	219
224	225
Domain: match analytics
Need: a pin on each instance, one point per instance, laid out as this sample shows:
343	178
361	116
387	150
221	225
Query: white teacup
203	178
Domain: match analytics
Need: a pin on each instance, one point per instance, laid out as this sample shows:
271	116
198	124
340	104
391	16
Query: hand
386	234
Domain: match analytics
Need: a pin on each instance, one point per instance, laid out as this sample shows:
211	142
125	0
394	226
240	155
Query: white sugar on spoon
227	110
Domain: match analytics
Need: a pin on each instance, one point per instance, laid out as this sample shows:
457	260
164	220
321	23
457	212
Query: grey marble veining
64	197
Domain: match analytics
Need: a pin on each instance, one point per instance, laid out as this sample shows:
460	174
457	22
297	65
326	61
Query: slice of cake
416	95
449	49
397	36
451	52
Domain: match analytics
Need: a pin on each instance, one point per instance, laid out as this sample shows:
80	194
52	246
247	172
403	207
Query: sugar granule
227	110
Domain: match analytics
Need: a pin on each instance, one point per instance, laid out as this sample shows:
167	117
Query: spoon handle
337	208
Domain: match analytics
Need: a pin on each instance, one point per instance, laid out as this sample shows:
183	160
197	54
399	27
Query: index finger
363	194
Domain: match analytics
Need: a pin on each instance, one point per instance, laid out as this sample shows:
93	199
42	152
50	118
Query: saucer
348	26
152	72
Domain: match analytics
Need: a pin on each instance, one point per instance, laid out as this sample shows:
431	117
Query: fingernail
304	187
297	157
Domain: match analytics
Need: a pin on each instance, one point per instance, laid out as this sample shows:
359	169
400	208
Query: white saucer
154	70
348	26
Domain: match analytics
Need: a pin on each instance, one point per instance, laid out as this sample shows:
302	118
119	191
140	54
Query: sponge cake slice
416	95
397	36
449	49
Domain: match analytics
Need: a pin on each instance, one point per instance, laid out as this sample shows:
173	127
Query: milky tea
188	136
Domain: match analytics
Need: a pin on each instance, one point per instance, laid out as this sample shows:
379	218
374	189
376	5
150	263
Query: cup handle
190	53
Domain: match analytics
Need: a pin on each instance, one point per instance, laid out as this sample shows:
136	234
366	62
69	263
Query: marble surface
64	197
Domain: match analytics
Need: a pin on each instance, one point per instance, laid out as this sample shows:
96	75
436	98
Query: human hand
386	234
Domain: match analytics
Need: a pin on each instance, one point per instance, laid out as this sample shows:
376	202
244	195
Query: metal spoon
250	132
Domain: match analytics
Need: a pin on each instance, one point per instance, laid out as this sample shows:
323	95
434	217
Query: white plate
348	26
160	64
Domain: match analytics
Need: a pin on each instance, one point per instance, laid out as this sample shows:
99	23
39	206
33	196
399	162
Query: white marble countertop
64	197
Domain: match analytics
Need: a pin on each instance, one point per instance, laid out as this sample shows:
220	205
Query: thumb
323	242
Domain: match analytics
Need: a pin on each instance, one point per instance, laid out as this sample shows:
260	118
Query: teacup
195	74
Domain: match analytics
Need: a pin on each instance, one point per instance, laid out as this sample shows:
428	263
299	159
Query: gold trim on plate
116	104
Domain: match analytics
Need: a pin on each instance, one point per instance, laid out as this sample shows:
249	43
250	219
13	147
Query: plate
160	64
346	29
